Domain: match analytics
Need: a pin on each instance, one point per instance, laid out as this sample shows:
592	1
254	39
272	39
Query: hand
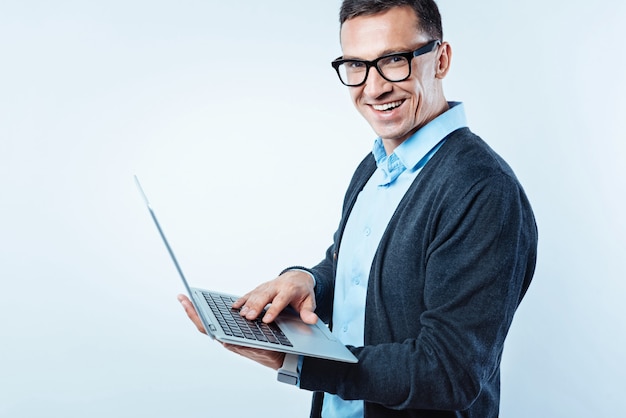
267	358
191	312
293	288
272	359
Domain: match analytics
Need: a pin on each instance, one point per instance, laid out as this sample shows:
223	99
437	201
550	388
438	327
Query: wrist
303	270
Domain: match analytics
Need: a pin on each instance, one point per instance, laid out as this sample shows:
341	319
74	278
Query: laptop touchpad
297	326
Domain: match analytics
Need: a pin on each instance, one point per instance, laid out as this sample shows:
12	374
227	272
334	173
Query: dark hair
426	10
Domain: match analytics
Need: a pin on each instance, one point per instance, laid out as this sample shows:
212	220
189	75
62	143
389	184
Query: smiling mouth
388	106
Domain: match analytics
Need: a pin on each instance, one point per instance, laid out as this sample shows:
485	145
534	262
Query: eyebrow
388	51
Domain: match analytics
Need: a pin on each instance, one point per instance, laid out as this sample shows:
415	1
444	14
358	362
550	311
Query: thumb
307	313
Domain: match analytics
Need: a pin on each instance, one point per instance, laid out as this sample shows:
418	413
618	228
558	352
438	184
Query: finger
257	301
279	303
241	301
191	312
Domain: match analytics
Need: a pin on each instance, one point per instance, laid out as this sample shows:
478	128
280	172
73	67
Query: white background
245	142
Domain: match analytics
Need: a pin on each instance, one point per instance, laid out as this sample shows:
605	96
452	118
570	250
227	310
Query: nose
375	85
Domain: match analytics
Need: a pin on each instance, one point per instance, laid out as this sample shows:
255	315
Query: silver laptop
288	333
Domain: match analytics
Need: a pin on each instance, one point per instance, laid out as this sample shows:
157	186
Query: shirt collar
413	153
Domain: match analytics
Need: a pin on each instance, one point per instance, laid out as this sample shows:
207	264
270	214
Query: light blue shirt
366	224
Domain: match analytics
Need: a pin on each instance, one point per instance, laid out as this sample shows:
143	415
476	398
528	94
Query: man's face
395	110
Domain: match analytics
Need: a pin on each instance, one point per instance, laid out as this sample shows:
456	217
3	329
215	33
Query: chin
392	135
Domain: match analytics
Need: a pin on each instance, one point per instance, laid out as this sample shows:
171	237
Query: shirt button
345	328
356	281
367	232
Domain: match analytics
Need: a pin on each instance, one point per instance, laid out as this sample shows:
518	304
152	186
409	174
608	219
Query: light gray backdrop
245	142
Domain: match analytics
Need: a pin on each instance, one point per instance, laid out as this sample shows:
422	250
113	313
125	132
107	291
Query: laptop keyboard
234	324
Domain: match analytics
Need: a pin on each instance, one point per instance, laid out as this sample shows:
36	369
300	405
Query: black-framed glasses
393	67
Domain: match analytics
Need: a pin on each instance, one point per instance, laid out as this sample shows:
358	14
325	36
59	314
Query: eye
392	61
355	65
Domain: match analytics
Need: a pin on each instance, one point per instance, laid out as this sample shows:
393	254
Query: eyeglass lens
393	68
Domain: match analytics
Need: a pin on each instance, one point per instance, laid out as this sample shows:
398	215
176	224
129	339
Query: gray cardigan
451	268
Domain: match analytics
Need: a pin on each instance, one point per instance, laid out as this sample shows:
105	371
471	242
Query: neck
393	143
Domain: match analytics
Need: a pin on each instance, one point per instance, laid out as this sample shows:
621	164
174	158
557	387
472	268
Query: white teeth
387	106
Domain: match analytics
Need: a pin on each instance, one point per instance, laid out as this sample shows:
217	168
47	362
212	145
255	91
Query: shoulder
465	160
466	179
467	152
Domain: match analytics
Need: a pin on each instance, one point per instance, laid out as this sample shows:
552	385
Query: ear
443	60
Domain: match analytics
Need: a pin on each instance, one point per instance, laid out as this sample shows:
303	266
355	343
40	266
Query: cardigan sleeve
473	271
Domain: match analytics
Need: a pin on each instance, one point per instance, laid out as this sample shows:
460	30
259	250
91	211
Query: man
435	249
